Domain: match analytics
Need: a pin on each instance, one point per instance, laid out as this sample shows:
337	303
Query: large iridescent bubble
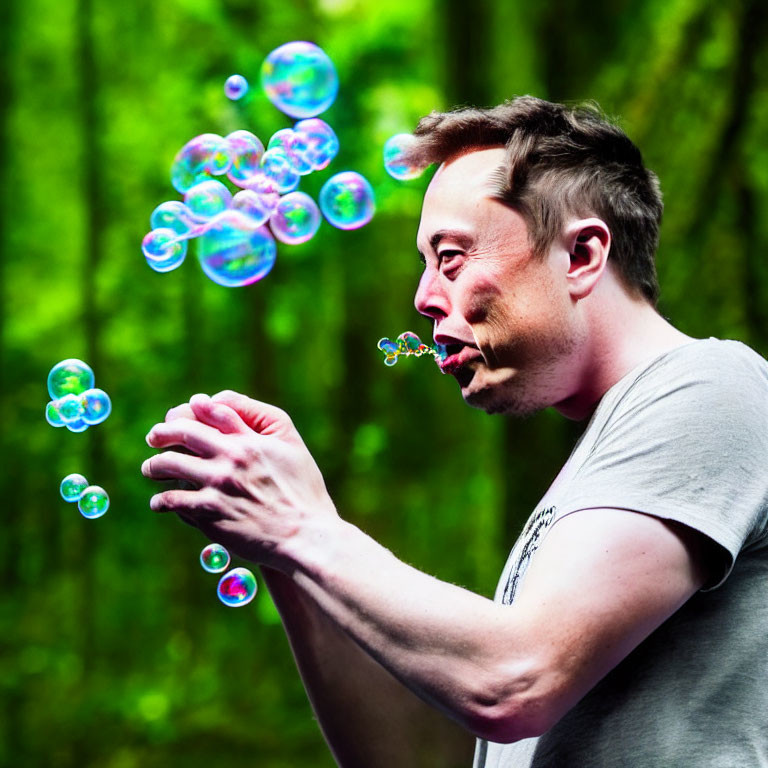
69	377
396	162
296	218
245	151
236	588
200	159
207	199
322	143
299	79
235	251
347	200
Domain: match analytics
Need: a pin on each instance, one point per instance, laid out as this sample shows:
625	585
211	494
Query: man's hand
255	482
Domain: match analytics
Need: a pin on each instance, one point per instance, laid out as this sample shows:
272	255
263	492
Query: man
629	626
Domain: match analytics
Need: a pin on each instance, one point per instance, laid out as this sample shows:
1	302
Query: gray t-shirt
684	438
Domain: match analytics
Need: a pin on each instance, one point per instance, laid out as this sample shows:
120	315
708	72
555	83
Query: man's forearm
367	717
449	646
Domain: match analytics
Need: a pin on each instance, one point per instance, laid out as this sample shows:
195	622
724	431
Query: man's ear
588	242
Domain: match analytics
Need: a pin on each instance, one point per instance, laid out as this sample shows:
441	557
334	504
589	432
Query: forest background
115	651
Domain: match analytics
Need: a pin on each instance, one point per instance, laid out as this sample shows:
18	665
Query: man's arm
601	582
367	717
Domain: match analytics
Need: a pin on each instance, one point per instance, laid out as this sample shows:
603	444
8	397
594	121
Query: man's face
505	315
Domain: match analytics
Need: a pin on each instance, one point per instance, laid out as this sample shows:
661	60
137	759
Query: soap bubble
96	406
299	79
207	199
164	249
252	205
245	151
238	587
277	166
52	415
395	162
347	200
408	343
70	408
93	502
72	487
214	558
266	187
296	146
296	218
235	87
172	214
235	251
79	425
199	159
70	376
322	143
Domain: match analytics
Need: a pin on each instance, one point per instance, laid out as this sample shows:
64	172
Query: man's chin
494	400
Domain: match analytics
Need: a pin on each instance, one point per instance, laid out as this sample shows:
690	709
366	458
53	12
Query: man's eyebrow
461	236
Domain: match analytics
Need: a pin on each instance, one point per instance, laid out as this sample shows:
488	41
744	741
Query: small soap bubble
236	588
70	376
72	487
235	251
235	87
164	249
174	215
266	187
207	199
276	165
395	157
300	79
93	502
70	408
296	148
199	159
52	415
322	143
296	218
214	558
96	406
347	200
245	151
79	425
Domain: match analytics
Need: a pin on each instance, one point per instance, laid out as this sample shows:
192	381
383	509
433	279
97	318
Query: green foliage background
115	650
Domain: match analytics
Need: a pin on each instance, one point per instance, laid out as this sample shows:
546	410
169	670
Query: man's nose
431	299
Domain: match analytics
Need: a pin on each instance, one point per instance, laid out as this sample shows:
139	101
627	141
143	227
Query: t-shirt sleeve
688	442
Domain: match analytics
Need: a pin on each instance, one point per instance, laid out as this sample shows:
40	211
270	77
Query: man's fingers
217	415
261	417
187	433
191	506
183	411
178	466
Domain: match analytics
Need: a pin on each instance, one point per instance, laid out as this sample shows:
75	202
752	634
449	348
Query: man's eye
448	256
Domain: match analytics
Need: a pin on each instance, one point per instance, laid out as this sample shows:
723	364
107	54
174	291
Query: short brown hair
561	161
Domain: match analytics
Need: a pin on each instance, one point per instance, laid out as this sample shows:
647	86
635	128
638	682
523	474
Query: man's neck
623	333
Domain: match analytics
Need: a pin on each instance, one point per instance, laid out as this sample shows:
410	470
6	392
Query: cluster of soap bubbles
236	233
92	500
236	587
408	343
76	404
